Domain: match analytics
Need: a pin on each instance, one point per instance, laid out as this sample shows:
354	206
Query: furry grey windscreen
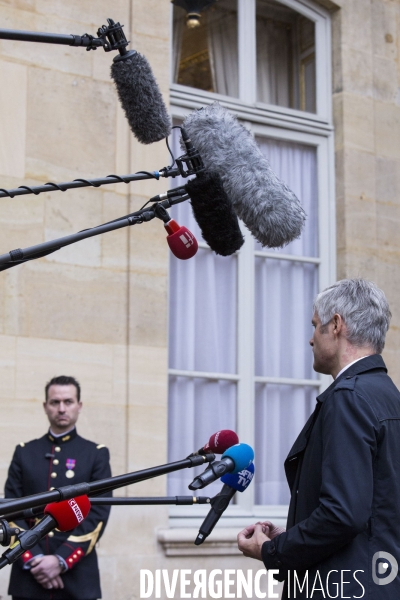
141	99
265	204
214	213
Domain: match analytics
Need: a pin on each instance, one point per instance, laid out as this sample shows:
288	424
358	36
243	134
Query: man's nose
61	407
311	342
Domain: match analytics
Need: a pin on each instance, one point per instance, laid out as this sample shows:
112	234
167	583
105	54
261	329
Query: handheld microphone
140	97
214	213
65	515
233	482
266	205
69	513
218	443
181	241
233	460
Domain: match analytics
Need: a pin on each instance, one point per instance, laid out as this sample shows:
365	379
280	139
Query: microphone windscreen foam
265	204
221	441
141	98
241	454
239	481
182	243
214	213
69	513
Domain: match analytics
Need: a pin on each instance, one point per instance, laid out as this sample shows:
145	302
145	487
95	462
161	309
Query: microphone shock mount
7	532
192	159
113	37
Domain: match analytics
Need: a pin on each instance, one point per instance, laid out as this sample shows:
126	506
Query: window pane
197	409
285	57
279	408
296	165
206	57
285	291
202	323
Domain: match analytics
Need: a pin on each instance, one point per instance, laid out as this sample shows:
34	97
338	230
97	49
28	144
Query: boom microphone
140	97
214	213
233	483
218	443
267	206
65	515
233	460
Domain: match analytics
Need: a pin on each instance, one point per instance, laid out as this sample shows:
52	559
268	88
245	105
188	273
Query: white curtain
283	310
223	51
202	337
296	165
281	412
273	63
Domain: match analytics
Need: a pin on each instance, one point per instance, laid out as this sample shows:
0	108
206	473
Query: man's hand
272	530
46	570
251	539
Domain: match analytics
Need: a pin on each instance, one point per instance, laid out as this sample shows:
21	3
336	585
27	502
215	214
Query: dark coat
344	475
38	466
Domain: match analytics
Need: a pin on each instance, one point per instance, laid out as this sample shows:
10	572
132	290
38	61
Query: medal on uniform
70	464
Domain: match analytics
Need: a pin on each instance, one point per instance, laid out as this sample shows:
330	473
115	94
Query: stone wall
366	99
97	309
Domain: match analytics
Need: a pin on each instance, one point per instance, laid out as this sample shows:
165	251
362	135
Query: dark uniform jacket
344	475
38	466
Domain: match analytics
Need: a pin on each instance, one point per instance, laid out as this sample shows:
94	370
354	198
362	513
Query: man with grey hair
343	527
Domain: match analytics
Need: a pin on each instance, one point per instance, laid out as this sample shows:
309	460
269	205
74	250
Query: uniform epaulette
100	446
22	444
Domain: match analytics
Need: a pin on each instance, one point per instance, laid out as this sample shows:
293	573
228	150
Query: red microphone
65	515
218	443
68	514
181	241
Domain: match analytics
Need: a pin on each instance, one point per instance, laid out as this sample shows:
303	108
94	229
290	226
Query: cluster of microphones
70	505
232	178
235	469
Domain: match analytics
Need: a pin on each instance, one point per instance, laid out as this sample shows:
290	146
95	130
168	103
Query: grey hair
362	306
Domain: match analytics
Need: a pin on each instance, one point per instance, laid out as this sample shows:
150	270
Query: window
206	57
285	56
239	326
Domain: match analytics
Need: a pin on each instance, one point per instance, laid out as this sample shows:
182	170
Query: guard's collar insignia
65	438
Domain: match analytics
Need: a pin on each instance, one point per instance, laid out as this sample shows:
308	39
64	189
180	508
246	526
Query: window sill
180	542
264	114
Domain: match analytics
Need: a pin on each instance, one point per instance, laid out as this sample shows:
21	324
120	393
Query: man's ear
338	323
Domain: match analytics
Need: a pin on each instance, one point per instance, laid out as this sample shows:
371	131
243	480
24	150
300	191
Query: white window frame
264	120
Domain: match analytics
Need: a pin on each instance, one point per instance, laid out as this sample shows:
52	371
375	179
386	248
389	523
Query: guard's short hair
64	380
362	306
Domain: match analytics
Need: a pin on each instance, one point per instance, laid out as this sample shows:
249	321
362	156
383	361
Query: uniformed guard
63	565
